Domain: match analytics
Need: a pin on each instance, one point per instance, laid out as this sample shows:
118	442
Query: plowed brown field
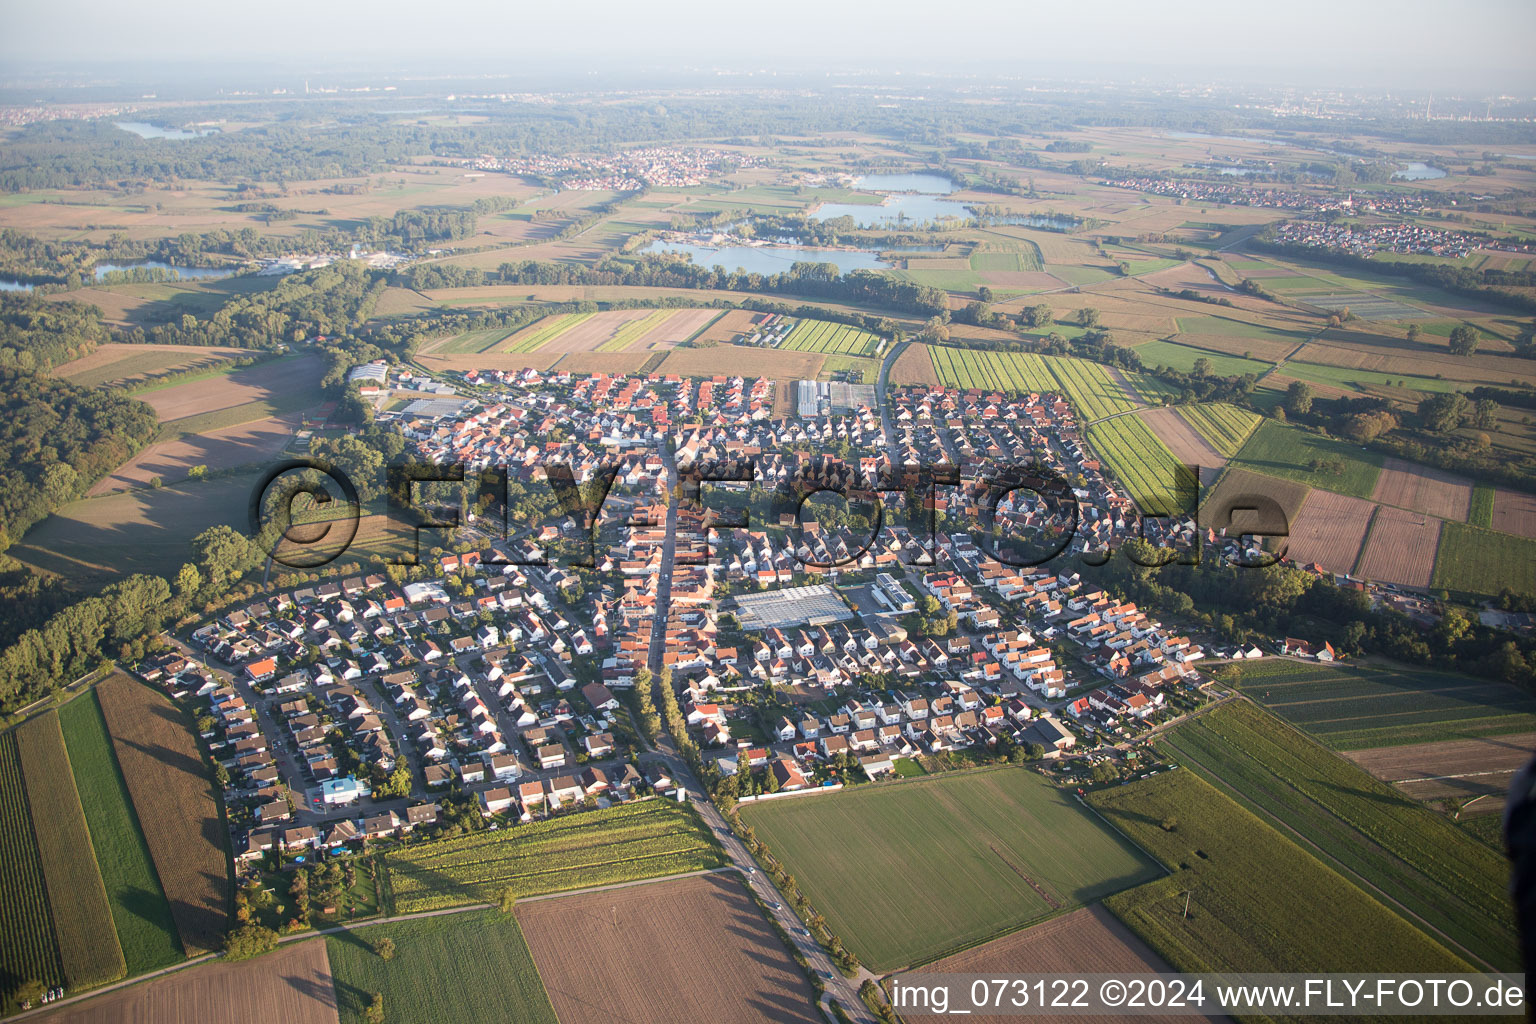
1423	489
1329	530
1514	512
1401	548
1456	769
690	951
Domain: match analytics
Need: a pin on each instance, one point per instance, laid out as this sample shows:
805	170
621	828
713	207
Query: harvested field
914	366
177	807
1514	512
1241	489
1401	547
732	360
82	921
117	363
277	380
491	361
1423	489
223	448
1451	769
1089	938
1329	531
1186	444
291	984
585	948
613	363
733	325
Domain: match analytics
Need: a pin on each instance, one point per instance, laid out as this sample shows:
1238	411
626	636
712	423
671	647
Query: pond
925	184
144	130
1417	171
905	209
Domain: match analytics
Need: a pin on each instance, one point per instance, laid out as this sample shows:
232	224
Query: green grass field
1480	512
1256	900
1392	845
139	908
1184	357
646	839
28	949
1144	465
1355	707
88	946
1225	426
907	872
1282	450
472	342
1151	390
825	336
1474	561
627	334
1351	379
440	971
1235	328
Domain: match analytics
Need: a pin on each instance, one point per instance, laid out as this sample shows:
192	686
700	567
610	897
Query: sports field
645	839
1414	860
909	871
831	338
1243	897
439	972
1357	706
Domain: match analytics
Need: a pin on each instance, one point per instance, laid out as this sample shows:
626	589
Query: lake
184	273
145	130
765	259
908	208
1416	171
926	184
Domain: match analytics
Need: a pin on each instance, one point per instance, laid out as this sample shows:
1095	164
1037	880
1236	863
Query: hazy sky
1305	42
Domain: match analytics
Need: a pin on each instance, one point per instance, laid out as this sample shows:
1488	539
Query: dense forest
38	335
56	440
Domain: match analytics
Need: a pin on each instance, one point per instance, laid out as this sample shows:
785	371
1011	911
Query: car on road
825	974
776	906
751	871
802	931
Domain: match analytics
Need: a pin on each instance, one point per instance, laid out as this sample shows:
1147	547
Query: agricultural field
1411	858
1329	531
1282	450
1183	443
283	384
175	799
535	337
632	841
242	444
82	921
1154	479
1452	770
119	364
1062	945
1480	509
1094	394
28	949
1423	489
1022	372
1400	547
831	338
1225	427
439	971
1254	897
1183	358
140	913
748	361
915	365
1513	512
585	948
292	984
1359	706
961	858
1483	562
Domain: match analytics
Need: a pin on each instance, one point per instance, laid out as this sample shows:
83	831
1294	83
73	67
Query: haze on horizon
1399	44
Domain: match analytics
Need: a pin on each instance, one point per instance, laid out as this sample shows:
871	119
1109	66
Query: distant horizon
1482	48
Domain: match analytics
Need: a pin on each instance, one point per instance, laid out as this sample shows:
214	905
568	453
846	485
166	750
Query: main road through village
844	990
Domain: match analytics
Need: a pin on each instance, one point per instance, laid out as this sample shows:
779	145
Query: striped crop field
1225	426
28	949
627	334
545	331
1093	393
831	338
1143	465
993	371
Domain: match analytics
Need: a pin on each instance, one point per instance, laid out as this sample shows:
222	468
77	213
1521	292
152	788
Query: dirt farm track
291	985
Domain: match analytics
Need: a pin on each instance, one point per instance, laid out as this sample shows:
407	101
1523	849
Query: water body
9	284
764	259
185	273
1416	171
1240	172
906	209
145	130
924	184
